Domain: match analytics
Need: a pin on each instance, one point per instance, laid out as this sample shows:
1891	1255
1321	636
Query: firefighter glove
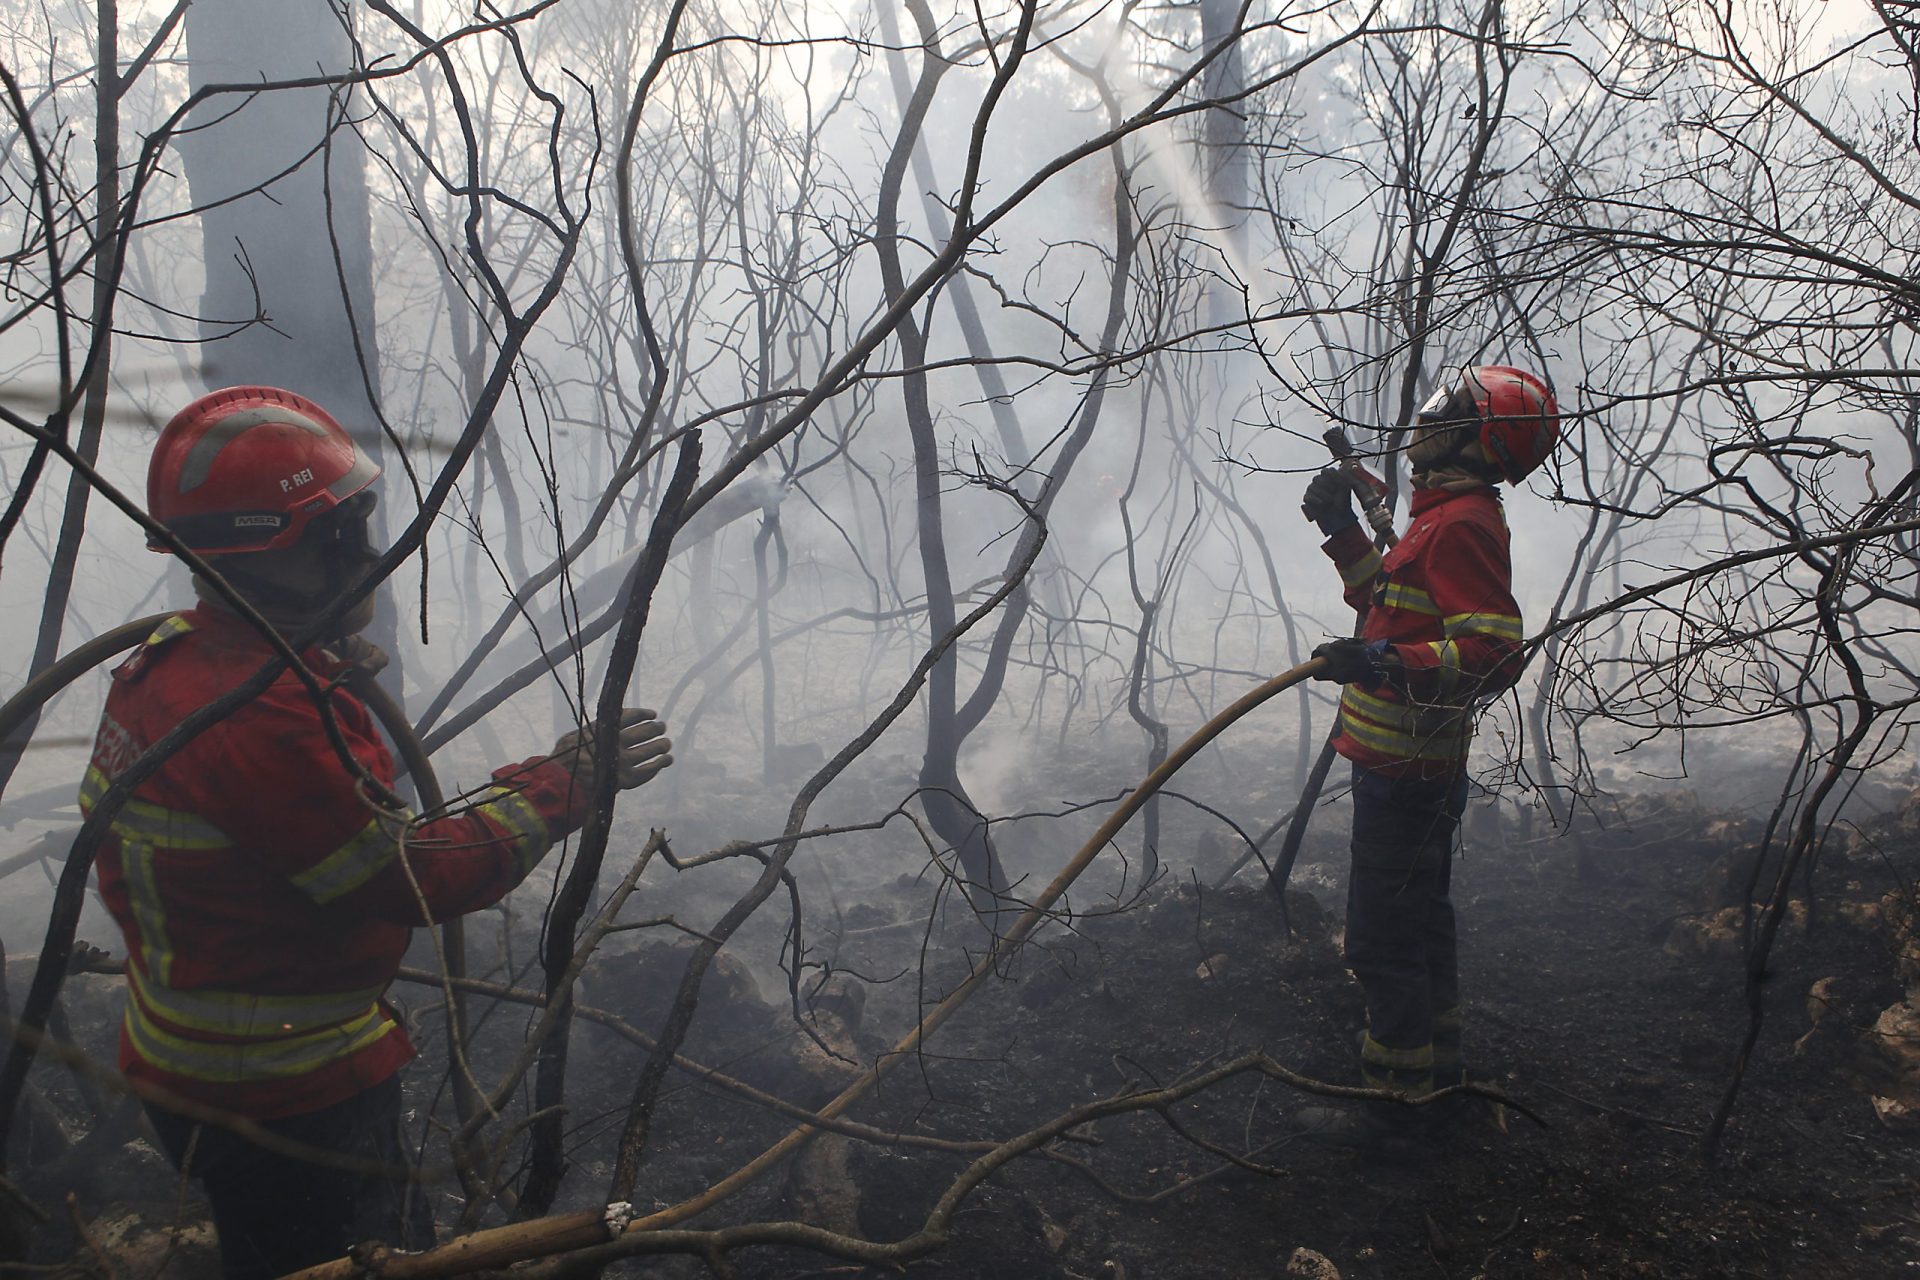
1328	502
1354	661
642	751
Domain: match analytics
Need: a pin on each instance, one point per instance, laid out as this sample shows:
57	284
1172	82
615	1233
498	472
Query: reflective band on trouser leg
230	1062
513	811
1408	1070
1448	1065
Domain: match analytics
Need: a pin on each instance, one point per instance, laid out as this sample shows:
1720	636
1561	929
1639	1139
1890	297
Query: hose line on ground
498	1247
528	1240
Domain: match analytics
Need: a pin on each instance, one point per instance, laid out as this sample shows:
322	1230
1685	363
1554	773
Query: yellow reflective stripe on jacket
149	913
1398	746
1411	718
238	1013
1361	570
354	863
153	824
1498	626
1410	600
375	846
144	830
1430	724
1404	737
513	811
177	625
223	1063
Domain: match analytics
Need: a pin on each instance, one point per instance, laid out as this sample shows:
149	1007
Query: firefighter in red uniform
1439	631
265	896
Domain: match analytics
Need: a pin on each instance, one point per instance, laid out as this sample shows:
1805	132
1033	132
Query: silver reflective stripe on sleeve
354	863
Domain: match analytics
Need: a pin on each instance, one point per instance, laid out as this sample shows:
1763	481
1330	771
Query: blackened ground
1575	1008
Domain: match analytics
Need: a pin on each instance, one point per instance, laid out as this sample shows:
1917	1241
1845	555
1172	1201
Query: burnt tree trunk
1223	138
279	178
949	809
106	277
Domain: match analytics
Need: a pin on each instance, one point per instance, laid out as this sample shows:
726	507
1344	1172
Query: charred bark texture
279	179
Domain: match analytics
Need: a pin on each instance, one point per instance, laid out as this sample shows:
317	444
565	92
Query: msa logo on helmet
259	520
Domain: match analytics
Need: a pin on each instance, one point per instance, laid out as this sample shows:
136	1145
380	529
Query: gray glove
643	751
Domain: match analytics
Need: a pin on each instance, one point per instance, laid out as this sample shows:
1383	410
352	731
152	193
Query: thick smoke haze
927	280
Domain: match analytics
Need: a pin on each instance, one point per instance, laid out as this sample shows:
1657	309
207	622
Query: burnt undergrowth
1604	987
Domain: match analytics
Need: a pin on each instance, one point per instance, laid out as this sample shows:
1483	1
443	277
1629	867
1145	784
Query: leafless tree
776	310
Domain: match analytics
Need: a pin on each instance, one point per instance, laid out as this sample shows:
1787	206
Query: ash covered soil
1604	992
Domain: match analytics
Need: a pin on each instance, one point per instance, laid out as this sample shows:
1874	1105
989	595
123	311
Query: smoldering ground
924	280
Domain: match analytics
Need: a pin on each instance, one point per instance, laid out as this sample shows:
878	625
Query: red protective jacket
1443	599
263	898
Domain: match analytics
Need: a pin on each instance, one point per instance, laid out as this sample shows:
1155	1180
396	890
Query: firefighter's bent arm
312	818
1358	560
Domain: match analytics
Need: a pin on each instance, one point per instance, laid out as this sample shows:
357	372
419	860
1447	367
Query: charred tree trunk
547	1163
1223	137
106	277
279	178
949	809
959	290
763	630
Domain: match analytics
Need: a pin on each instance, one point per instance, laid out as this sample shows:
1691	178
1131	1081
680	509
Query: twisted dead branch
550	1236
592	1238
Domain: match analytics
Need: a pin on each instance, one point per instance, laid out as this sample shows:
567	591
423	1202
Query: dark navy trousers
275	1213
1401	942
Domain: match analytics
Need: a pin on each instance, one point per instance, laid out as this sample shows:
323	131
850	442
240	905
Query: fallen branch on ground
592	1238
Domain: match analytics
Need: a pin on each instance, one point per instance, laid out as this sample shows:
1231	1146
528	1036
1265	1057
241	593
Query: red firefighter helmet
1519	419
249	468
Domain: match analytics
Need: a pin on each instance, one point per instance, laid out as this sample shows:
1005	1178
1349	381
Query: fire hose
500	1246
37	692
541	1238
1372	493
